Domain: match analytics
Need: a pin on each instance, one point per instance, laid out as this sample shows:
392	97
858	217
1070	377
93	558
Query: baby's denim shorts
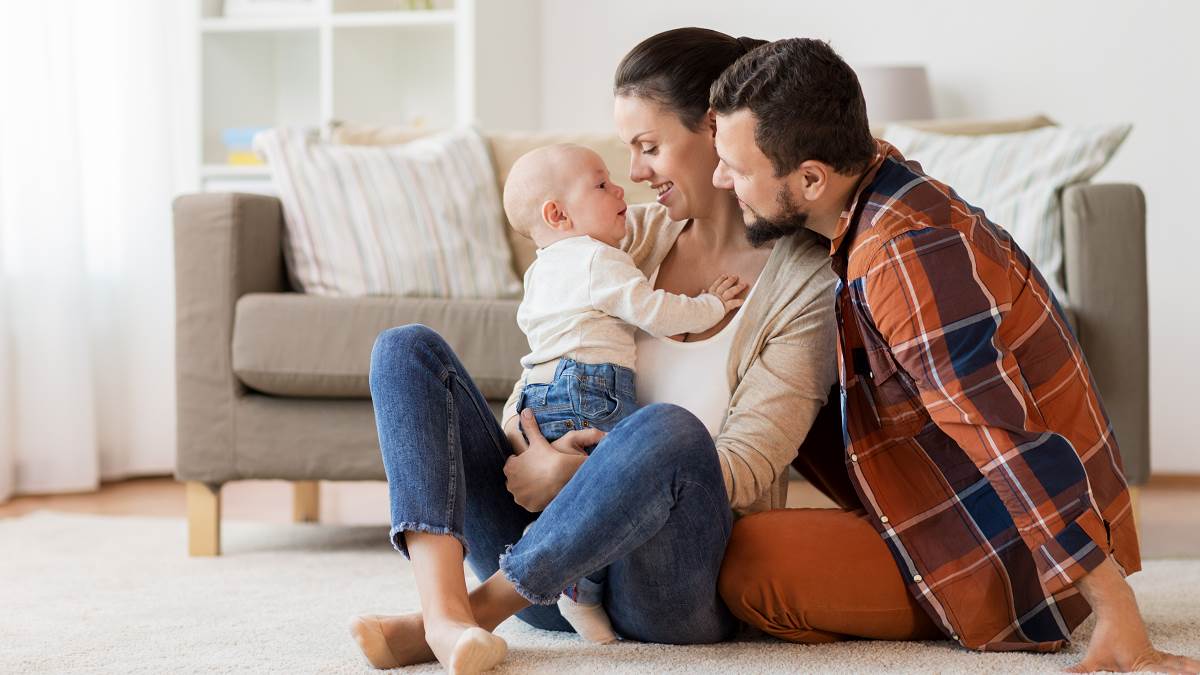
581	396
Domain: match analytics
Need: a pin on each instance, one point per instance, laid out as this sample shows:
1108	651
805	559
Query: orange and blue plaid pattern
974	433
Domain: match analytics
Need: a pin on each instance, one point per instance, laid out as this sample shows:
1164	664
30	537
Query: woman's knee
398	345
405	339
667	433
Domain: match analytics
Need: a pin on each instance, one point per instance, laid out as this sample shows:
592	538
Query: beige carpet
114	594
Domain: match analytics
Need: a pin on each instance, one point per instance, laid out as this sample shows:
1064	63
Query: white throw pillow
421	219
1016	178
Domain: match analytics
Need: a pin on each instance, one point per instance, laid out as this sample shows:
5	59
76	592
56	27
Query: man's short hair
807	101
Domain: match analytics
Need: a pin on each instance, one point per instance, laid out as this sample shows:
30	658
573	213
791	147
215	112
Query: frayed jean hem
399	544
534	598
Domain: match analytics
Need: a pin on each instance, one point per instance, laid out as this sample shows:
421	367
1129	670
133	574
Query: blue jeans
649	504
581	395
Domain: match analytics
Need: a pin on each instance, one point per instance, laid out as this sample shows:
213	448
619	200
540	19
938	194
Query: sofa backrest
506	147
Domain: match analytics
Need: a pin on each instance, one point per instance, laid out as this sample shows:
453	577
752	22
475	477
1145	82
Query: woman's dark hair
676	68
807	102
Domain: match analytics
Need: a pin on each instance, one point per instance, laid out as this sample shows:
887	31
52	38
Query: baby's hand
727	288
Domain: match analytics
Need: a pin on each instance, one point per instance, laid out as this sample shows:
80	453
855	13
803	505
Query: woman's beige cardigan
781	365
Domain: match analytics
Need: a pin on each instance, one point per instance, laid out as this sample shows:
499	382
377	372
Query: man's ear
710	118
555	217
811	179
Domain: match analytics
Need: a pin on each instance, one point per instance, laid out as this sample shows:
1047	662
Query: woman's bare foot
391	641
464	649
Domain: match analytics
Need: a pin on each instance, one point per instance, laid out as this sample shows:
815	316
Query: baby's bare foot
464	649
391	641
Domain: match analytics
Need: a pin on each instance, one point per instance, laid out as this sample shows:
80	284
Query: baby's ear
554	216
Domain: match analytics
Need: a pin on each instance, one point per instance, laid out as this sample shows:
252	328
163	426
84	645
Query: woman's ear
555	217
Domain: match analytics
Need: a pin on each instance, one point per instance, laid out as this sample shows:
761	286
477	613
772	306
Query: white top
584	299
689	374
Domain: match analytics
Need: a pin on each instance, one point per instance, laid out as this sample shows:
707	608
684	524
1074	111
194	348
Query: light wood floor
1170	506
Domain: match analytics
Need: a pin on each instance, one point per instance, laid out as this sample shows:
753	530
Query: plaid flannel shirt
973	430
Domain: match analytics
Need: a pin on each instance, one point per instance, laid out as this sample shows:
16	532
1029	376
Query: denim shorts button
586	423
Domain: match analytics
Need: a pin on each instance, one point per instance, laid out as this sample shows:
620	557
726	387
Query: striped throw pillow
421	219
1016	178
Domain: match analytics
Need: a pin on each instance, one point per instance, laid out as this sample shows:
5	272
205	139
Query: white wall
1078	61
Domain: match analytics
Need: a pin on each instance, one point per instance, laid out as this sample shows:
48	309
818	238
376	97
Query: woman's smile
664	191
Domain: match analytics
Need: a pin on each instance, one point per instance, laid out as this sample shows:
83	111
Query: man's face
769	207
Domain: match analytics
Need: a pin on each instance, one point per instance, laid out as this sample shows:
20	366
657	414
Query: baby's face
595	205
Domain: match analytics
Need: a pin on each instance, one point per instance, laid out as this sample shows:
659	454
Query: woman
652	506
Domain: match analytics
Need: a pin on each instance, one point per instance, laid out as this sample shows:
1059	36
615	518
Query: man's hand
539	472
1119	642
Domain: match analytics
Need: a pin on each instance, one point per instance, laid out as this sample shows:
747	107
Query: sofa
273	384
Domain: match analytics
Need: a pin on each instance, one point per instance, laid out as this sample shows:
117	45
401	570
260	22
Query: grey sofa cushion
290	344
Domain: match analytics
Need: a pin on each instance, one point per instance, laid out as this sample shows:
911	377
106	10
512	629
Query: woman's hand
538	473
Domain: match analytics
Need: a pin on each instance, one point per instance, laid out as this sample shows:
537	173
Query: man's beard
790	221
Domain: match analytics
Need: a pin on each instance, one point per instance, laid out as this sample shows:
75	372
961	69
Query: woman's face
675	161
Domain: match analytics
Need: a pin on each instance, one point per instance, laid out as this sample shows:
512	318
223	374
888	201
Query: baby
584	298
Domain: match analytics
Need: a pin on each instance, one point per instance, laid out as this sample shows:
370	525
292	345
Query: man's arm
972	387
938	303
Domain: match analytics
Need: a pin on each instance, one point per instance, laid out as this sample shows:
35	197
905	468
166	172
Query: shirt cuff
1074	552
718	308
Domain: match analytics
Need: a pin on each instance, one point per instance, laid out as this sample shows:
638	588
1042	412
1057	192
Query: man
994	510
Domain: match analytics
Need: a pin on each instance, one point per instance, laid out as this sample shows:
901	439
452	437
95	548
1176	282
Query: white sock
590	621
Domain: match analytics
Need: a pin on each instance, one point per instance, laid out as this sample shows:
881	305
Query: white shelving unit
362	61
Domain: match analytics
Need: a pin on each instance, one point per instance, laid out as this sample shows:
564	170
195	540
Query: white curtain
87	172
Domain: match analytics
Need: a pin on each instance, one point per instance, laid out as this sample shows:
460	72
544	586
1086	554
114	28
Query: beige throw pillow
1016	178
421	219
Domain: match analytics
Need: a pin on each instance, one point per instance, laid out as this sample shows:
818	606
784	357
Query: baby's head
562	191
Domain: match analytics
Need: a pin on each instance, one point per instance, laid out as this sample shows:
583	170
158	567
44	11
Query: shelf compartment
391	75
257	79
235	171
387	7
440	17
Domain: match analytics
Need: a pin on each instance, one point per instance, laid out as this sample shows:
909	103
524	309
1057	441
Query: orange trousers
820	575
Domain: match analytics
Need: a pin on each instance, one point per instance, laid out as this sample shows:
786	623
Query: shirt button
883	519
954	637
854	458
917	578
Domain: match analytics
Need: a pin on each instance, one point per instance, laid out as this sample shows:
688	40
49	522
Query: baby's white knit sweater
584	298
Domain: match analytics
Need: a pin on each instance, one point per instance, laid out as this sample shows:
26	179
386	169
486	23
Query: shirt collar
883	150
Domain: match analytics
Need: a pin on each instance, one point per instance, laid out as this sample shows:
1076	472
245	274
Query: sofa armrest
226	245
1104	239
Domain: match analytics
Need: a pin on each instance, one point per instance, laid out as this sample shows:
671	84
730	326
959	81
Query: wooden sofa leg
204	518
306	501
